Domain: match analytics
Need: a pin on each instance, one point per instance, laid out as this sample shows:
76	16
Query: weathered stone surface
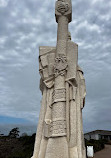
60	127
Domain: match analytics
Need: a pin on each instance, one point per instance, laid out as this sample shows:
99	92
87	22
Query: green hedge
23	147
97	144
27	148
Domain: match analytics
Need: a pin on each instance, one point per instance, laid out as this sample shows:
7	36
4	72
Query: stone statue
60	128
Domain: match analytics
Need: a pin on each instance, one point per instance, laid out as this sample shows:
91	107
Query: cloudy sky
27	24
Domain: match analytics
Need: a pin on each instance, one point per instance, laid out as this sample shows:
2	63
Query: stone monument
60	127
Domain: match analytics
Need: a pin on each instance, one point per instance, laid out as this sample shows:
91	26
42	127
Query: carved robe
74	97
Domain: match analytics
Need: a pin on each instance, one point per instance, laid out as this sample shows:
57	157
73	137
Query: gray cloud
27	24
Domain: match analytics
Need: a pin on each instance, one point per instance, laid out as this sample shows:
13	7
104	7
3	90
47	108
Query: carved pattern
58	128
61	65
59	95
62	6
55	129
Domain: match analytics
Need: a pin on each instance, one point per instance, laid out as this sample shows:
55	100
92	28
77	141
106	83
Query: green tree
14	133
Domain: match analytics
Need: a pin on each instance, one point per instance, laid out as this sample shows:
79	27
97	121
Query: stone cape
73	95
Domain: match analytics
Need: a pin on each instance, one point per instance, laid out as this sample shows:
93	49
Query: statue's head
69	36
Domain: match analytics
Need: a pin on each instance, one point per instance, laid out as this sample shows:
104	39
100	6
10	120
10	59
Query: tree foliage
14	133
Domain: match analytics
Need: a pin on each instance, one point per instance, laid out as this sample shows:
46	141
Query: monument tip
63	8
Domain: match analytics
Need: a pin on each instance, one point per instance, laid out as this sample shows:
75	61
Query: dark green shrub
27	149
97	144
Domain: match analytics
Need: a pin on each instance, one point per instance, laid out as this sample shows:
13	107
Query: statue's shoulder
72	43
43	50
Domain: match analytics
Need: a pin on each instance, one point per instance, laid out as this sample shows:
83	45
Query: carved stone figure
60	127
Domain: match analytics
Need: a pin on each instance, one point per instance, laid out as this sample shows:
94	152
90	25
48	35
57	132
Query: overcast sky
27	24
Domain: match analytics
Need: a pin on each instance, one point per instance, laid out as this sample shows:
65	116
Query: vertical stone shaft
62	35
61	49
57	145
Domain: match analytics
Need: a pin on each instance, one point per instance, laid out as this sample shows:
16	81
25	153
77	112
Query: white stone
60	127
